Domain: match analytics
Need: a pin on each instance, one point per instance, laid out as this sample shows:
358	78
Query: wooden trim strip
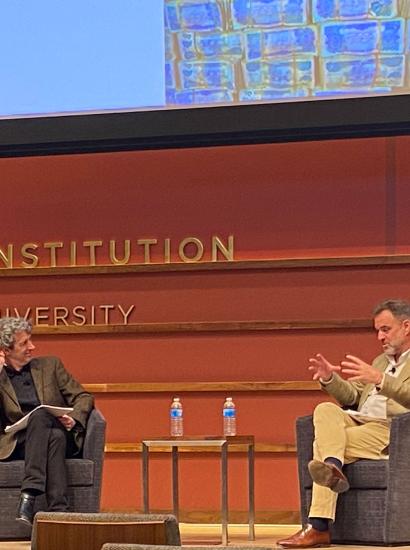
259	448
172	387
280	263
209	326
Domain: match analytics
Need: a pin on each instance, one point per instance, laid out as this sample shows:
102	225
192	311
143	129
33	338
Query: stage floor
266	535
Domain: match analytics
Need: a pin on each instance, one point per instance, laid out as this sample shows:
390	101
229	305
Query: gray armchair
376	509
84	481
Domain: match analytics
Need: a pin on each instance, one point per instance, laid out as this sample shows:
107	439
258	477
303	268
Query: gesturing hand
321	367
361	371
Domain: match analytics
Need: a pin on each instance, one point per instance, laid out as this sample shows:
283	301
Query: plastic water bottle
176	418
229	416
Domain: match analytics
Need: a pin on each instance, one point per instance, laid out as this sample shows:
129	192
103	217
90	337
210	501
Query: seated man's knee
324	409
40	417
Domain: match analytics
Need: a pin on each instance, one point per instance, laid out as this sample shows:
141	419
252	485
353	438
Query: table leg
251	486
145	478
224	483
175	485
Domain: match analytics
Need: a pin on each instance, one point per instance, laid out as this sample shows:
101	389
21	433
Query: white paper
22	423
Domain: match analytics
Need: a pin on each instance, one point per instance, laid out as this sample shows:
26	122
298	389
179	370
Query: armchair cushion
80	472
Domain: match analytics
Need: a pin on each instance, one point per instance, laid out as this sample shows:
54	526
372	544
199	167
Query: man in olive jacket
371	396
26	383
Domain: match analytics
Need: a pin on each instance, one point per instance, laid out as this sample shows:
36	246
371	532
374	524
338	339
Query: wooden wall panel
400	199
275	488
203	357
209	296
134	417
296	200
278	199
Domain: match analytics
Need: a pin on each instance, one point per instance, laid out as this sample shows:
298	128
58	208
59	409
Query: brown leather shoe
328	475
308	537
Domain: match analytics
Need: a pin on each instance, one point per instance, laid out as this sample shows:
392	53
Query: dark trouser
44	445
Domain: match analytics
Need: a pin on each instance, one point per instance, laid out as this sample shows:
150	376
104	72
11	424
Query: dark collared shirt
23	385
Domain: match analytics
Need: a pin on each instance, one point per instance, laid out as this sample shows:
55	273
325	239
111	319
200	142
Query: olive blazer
55	386
396	389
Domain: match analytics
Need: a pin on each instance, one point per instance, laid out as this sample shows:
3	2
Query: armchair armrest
304	443
93	449
94	441
400	439
399	466
304	437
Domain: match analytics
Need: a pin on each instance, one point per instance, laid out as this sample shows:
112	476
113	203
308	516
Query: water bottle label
175	413
229	413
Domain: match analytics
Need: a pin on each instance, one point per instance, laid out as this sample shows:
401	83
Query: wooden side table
221	443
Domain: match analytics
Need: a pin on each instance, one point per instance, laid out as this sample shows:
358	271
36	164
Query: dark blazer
55	386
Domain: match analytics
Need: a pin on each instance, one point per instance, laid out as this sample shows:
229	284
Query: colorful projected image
234	51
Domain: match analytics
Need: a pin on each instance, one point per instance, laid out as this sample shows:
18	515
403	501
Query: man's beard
391	349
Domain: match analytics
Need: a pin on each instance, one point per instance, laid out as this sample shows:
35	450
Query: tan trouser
339	435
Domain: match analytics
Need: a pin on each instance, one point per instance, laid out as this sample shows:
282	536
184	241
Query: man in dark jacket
26	383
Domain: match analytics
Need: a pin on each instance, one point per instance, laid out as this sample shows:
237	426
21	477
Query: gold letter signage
94	252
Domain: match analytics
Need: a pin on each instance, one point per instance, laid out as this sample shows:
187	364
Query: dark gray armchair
376	509
84	481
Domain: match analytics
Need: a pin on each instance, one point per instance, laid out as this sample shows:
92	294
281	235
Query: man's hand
67	422
361	371
322	368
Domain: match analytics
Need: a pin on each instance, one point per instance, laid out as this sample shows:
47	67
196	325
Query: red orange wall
325	198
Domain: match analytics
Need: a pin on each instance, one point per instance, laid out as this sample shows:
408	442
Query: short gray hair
399	308
8	328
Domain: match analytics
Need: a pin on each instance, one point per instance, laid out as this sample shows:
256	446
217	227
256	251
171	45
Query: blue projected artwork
266	50
75	56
